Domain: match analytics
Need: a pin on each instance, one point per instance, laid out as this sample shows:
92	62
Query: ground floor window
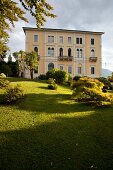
70	69
36	70
79	70
92	70
61	67
50	66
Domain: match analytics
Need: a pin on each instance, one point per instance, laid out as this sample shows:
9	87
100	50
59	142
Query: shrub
52	86
42	77
2	75
76	78
106	82
59	75
110	78
90	91
4	83
51	81
13	94
50	74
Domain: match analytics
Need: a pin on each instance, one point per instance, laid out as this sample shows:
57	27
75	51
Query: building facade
76	52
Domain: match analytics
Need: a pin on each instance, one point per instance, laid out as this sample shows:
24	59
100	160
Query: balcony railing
65	58
93	59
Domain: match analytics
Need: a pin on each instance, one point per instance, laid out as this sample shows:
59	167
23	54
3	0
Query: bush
90	91
59	75
4	83
2	75
50	74
110	78
42	77
13	94
106	82
76	78
51	81
52	86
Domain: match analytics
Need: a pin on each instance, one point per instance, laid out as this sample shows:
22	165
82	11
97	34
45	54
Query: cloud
93	15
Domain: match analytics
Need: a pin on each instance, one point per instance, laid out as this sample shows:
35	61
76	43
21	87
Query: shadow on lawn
65	144
52	103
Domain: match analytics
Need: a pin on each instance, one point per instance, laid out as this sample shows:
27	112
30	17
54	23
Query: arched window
80	55
36	49
77	53
50	66
92	53
50	51
69	52
61	52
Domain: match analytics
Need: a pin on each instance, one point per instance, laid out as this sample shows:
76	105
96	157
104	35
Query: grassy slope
47	130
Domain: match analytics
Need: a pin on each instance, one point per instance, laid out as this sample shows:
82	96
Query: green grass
49	131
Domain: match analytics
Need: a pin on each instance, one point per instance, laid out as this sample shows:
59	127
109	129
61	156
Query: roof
60	30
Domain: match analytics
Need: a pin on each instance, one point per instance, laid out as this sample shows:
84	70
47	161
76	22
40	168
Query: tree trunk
31	73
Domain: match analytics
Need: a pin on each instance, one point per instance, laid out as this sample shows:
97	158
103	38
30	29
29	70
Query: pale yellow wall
86	46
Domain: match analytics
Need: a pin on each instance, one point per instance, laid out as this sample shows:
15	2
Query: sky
90	15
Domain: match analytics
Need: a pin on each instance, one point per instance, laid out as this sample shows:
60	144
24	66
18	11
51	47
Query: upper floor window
61	39
69	40
50	39
35	38
69	52
50	51
92	70
92	53
70	69
79	53
36	49
92	41
61	52
78	40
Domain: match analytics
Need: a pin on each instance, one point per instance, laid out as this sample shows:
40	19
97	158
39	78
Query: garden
50	129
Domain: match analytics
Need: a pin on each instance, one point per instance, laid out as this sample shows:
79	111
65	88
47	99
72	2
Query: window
61	52
92	53
79	70
69	52
61	39
36	49
35	38
92	70
36	70
50	39
50	51
92	41
50	66
79	53
69	40
61	67
78	40
70	69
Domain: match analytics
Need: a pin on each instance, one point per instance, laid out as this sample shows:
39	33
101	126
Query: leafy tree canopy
10	13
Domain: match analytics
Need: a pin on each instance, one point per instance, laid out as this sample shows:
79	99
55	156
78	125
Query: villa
77	52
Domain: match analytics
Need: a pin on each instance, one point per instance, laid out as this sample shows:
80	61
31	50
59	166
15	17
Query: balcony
65	58
93	59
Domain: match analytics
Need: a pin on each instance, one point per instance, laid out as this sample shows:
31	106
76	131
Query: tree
31	62
11	13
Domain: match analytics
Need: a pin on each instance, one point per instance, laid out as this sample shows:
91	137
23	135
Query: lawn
49	131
